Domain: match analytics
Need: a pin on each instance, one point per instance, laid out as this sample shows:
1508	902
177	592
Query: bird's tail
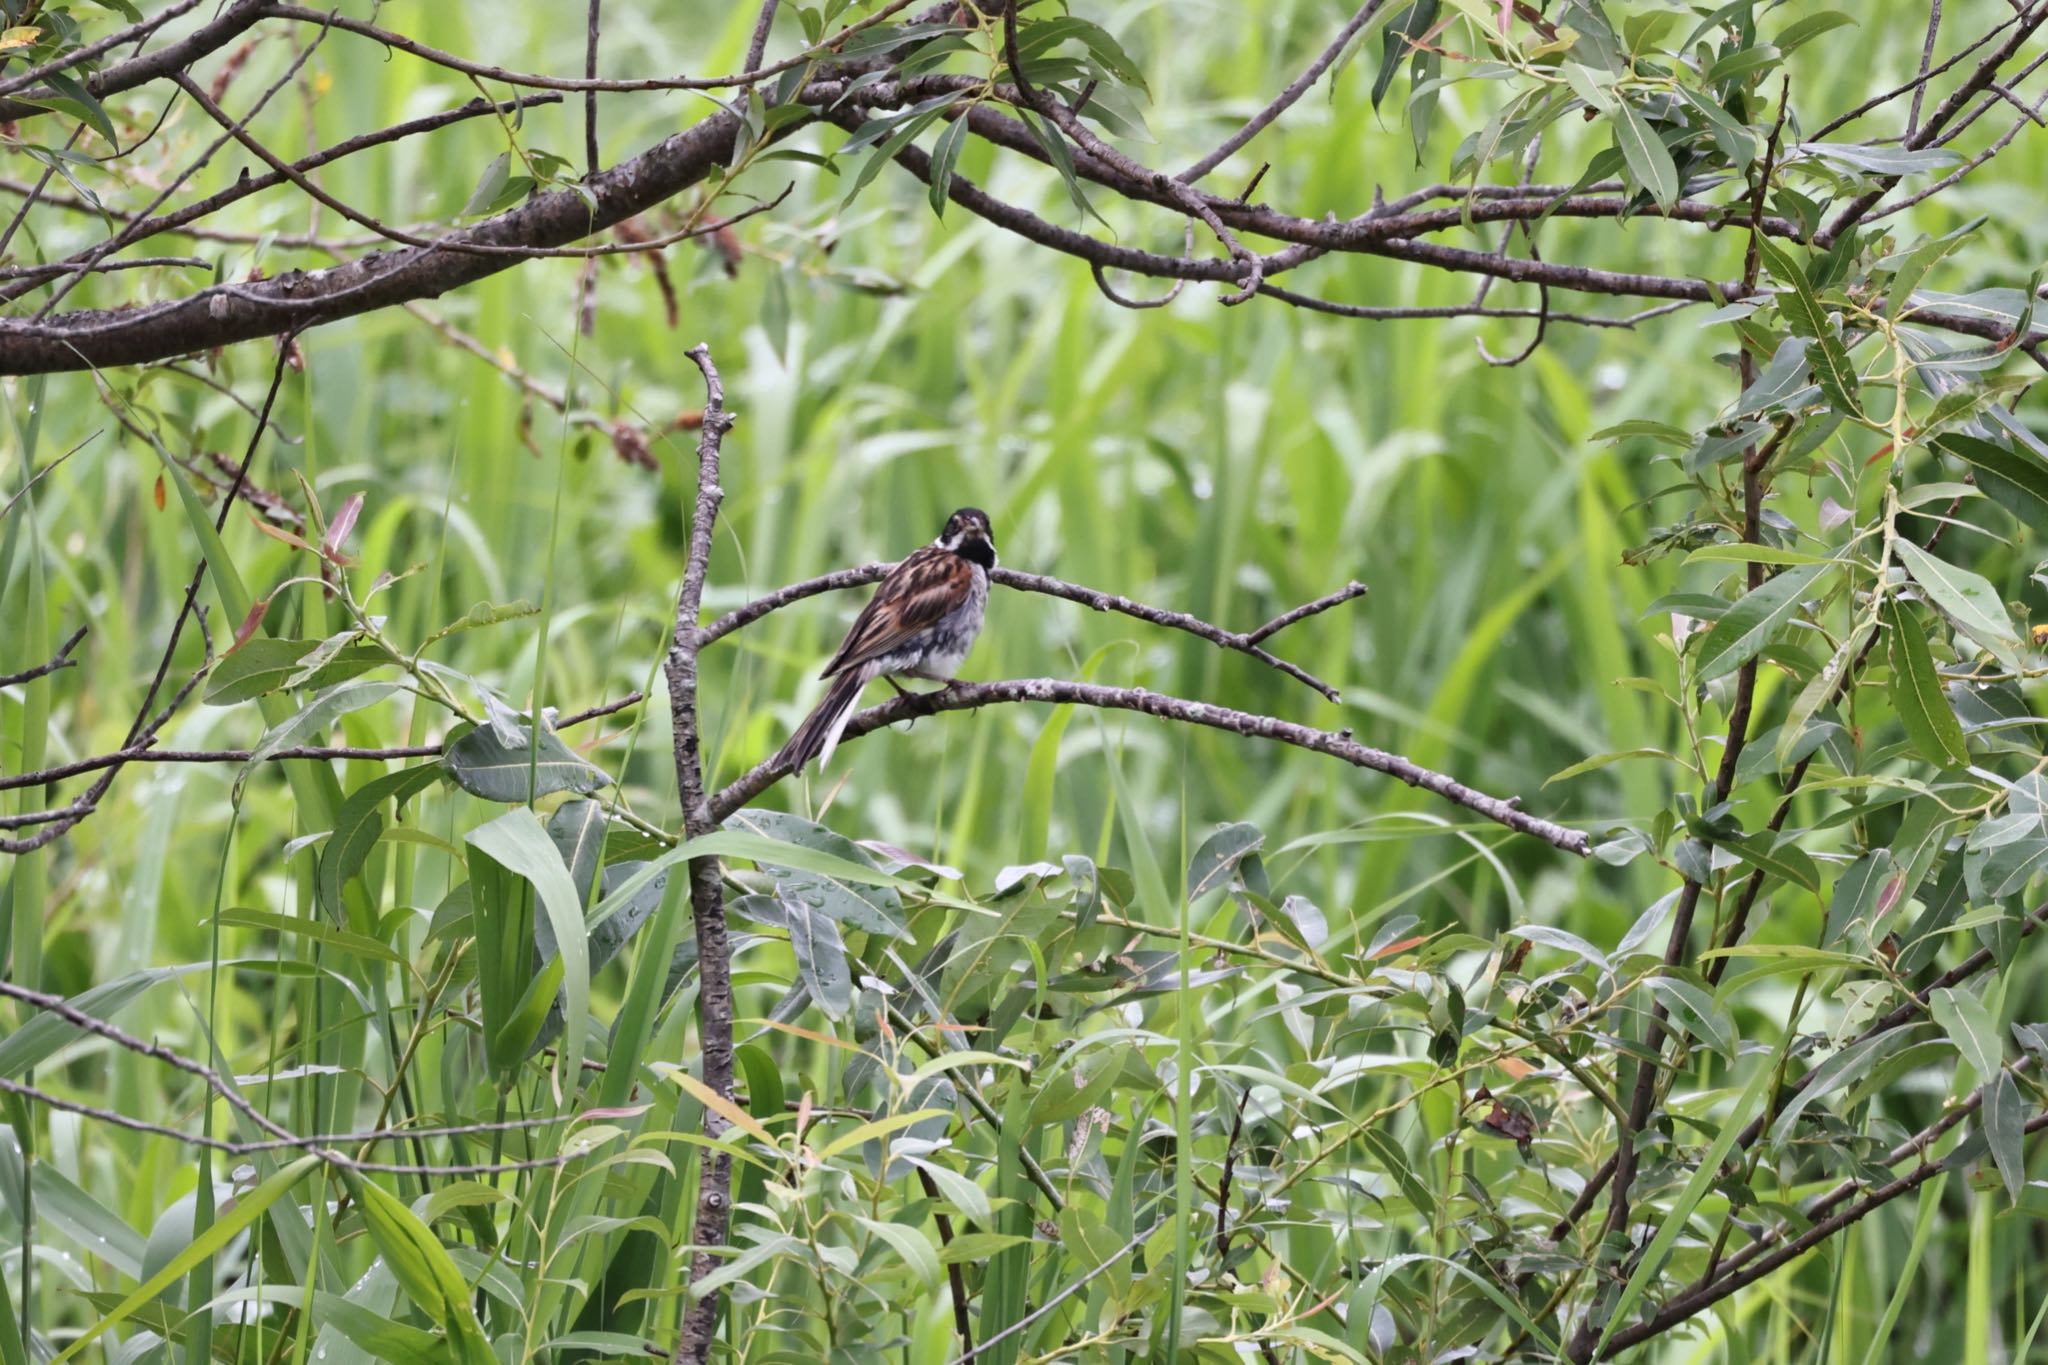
819	735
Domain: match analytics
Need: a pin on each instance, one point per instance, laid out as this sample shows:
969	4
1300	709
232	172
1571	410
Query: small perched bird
920	623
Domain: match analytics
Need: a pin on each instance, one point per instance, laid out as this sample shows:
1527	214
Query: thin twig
61	659
1245	643
1926	61
1283	101
392	753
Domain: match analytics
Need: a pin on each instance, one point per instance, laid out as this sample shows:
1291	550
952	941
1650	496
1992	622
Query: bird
920	623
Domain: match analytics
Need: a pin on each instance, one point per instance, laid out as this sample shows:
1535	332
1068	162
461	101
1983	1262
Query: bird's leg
906	694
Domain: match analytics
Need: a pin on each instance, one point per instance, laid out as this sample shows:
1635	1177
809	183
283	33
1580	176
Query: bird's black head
967	534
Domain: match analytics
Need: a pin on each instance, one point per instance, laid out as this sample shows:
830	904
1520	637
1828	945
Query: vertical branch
590	95
1643	1098
757	49
1926	61
707	901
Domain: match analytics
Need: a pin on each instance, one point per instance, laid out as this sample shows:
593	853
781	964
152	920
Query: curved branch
228	313
1058	691
1245	643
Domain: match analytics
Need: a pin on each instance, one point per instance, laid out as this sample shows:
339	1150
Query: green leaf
1839	1070
1788	861
1970	1027
2003	854
230	1224
359	826
1748	626
312	721
817	865
2027	476
481	615
1885	161
1917	695
1968	601
1649	160
945	155
1743	64
2004	1121
1395	43
489	186
895	131
483	765
1856	893
41	1035
1910	267
1696	1008
1739	552
1806	29
263	664
517	842
956	1189
341	940
1801	308
909	1244
421	1265
820	952
81	102
1216	861
1394	1162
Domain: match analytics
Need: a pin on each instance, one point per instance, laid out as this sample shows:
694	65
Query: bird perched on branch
920	623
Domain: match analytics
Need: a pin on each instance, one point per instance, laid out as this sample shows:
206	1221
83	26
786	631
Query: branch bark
707	898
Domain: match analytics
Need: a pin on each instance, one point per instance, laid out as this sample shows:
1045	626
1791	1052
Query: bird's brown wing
915	596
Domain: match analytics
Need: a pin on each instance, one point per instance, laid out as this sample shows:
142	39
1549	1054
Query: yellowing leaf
718	1104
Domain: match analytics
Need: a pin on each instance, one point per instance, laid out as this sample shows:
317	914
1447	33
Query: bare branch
88	260
757	47
1283	101
1841	121
707	898
1376	313
2030	19
590	95
62	659
1059	691
1246	643
1678	1310
1926	60
392	753
232	312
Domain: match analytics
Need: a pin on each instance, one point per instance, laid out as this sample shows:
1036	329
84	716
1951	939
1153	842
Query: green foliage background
886	367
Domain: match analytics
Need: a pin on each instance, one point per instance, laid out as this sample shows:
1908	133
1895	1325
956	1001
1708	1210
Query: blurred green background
887	367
